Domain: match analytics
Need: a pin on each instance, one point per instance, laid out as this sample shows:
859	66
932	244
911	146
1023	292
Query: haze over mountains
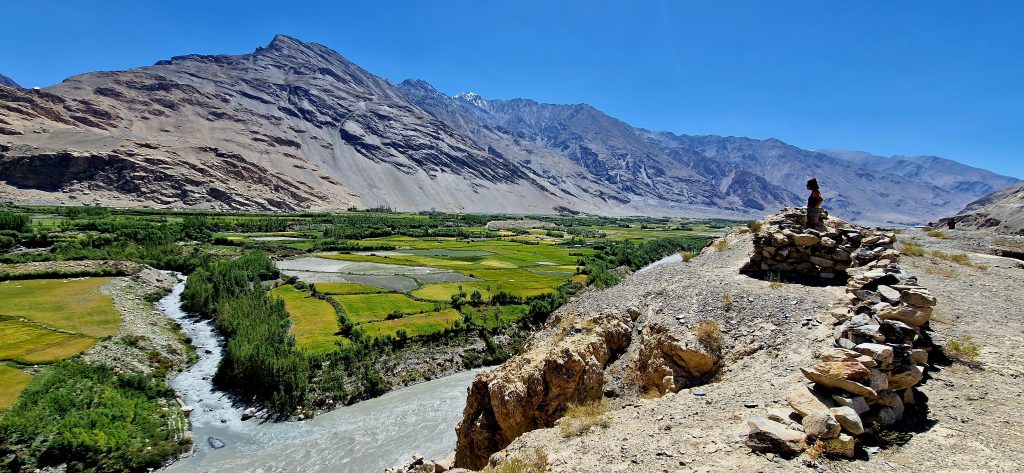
295	125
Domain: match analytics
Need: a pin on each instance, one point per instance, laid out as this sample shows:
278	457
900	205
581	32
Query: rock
770	436
842	354
909	315
886	417
827	242
880	353
248	413
919	356
878	380
905	376
803	239
215	442
844	377
820	425
804	401
187	410
889	294
919	297
781	415
848	419
893	401
844	445
823	262
857	403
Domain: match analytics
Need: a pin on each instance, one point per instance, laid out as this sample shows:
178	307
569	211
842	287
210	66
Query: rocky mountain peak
472	98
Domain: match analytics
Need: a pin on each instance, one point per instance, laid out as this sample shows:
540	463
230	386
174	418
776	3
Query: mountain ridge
295	125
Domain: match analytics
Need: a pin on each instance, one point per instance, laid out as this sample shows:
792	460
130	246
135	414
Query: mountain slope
945	173
7	81
851	191
293	125
1001	211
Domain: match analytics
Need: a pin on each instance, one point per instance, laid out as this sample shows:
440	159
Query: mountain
295	125
945	173
1001	211
7	81
582	150
291	126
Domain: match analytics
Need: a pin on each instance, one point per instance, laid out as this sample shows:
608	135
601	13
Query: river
365	437
672	258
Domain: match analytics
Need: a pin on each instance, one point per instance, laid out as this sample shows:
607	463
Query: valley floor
976	417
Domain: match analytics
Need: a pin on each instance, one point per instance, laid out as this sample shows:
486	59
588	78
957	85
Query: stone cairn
785	247
866	380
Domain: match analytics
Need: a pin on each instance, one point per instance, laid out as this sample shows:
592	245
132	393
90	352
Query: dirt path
976	413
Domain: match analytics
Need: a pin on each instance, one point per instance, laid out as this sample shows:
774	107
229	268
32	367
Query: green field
12	382
314	322
31	343
369	307
414	325
67	304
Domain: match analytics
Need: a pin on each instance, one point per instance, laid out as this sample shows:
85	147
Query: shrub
963	349
911	249
686	255
709	334
535	461
755	226
580	418
720	244
936	233
395	315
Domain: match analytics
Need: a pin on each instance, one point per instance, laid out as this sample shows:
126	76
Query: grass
580	418
414	325
963	349
27	342
534	461
67	304
959	258
1008	243
727	300
371	307
910	248
442	292
936	233
709	334
314	323
825	448
755	226
720	244
12	382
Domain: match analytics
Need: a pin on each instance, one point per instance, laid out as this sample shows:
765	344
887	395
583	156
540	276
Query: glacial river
366	437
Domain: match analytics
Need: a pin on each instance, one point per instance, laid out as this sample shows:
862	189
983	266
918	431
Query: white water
672	258
365	437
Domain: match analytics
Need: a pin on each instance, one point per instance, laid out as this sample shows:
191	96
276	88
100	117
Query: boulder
905	376
827	242
889	294
804	401
844	445
820	425
919	356
880	353
848	419
919	297
916	316
843	377
804	239
857	403
893	401
878	380
770	436
781	415
819	261
842	354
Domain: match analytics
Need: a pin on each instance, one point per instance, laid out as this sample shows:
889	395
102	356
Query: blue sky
932	77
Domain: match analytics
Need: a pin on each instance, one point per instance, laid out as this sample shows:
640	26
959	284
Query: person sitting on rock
814	210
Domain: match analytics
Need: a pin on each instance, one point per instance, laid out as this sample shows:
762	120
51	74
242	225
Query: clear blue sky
911	77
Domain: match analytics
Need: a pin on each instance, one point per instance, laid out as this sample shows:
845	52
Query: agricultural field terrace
348	306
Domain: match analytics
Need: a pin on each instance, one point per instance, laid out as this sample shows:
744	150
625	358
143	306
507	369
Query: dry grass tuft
941	317
959	258
720	244
727	300
755	226
686	255
910	248
534	461
936	233
1008	243
963	349
709	334
580	418
825	448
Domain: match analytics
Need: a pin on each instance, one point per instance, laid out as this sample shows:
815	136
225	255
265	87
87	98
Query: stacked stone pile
784	246
867	379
